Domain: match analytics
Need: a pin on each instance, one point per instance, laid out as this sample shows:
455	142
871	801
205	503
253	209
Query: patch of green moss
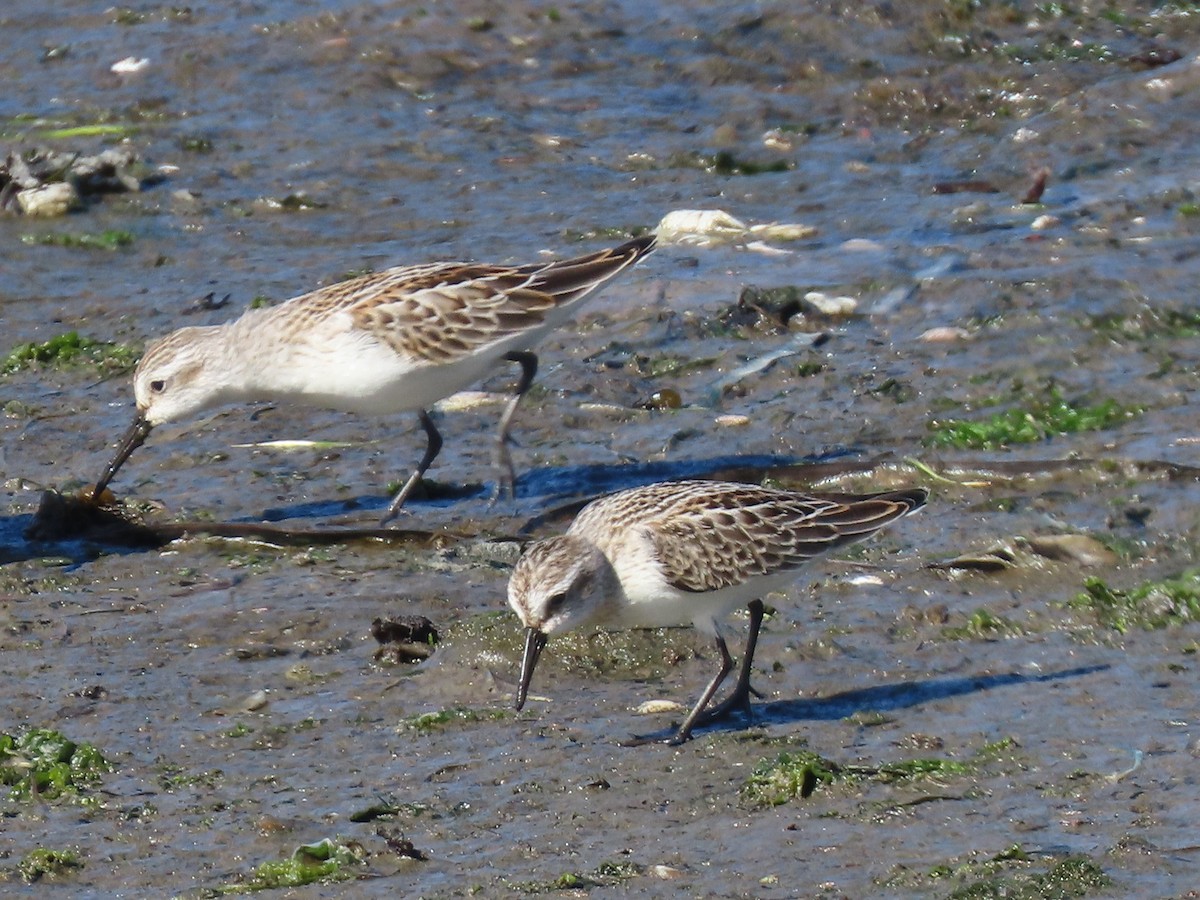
1075	876
1008	874
636	653
982	625
325	862
42	863
607	874
797	773
172	777
1155	604
66	350
724	163
671	364
1147	325
45	764
1041	418
454	715
112	239
788	776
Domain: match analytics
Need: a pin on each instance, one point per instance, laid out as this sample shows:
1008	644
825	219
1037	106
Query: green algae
45	764
1075	876
454	715
982	625
607	874
1039	418
1007	874
68	349
1149	606
325	861
109	239
797	773
42	863
636	653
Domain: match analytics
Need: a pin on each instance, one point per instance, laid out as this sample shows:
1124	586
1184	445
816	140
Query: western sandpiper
685	552
387	342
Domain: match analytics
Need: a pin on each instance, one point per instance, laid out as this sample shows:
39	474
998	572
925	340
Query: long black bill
134	438
534	642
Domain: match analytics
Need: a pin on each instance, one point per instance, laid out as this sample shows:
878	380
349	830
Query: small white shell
658	707
129	65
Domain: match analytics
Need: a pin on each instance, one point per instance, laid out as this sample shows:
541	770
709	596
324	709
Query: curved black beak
134	438
534	642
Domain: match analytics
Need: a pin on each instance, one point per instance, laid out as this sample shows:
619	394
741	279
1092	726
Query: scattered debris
130	65
714	227
400	845
75	517
45	182
1019	552
207	303
405	639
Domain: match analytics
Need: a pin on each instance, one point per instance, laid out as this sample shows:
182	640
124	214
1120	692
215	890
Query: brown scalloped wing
725	539
442	313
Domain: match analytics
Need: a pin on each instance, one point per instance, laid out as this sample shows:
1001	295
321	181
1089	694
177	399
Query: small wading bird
686	552
387	342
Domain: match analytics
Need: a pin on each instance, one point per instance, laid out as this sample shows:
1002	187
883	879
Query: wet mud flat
996	695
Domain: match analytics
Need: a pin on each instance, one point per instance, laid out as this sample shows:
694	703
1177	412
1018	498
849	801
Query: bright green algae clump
46	764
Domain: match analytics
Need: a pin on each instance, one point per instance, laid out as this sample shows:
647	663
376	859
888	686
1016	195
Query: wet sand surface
234	683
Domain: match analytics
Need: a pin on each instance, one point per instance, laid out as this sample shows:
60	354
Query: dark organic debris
1153	57
1020	552
60	517
207	303
405	639
663	398
1034	194
768	306
400	845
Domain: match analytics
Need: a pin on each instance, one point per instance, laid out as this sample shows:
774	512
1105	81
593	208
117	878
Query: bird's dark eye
158	386
555	602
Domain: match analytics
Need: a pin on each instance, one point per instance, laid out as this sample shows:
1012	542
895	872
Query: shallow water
471	130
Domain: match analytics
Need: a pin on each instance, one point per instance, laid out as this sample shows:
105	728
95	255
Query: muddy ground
233	684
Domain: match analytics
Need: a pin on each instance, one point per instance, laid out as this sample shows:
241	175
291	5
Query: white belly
353	373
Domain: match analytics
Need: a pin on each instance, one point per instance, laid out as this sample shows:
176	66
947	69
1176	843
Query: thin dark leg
685	730
739	698
433	447
507	479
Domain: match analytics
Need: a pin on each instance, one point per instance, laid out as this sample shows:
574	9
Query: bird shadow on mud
883	698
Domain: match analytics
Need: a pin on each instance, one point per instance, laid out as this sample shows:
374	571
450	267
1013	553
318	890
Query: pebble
945	333
732	420
55	199
657	707
830	306
129	65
